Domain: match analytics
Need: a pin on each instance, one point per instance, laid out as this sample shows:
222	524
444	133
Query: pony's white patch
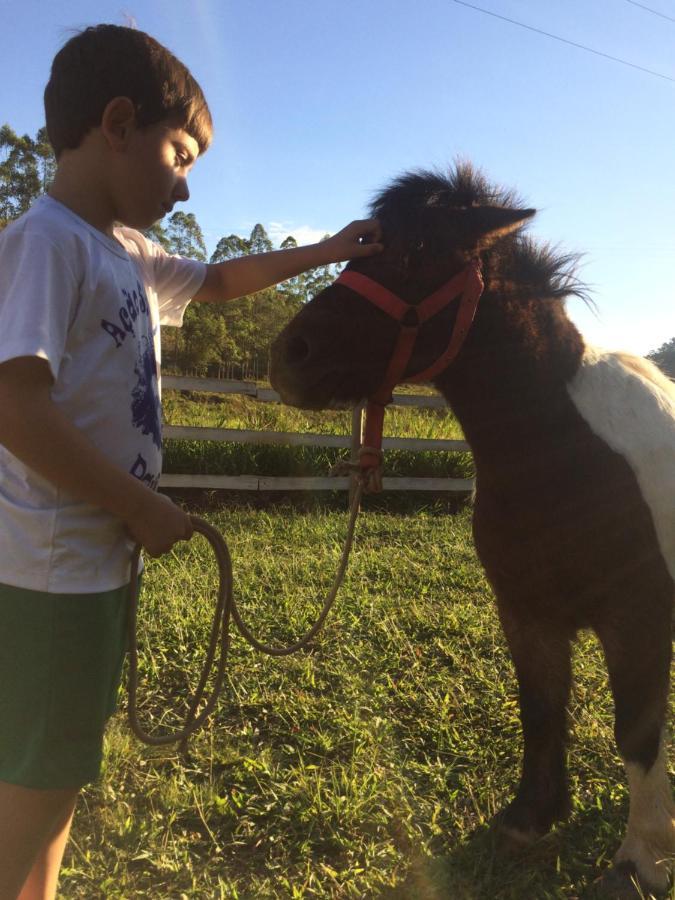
630	404
650	835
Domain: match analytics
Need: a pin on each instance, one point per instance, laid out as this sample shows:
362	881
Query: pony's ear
483	226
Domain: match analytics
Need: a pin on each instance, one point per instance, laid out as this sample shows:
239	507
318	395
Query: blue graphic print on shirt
134	305
145	405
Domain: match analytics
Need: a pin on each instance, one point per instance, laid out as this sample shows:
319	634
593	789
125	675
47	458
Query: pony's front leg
541	654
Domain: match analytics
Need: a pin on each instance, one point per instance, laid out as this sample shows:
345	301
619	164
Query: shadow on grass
568	863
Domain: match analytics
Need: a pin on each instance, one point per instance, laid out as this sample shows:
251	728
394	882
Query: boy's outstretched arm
35	430
248	274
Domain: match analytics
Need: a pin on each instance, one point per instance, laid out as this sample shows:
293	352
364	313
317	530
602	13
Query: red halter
469	284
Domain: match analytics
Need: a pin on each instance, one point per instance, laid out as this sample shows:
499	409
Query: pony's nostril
297	350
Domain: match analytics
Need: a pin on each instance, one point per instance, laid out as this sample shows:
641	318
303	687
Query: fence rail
312	483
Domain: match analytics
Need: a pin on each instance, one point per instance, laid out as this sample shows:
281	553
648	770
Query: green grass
240	411
369	766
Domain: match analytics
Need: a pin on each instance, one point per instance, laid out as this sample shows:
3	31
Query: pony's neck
508	387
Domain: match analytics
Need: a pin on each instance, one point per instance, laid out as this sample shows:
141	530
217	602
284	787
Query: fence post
357	440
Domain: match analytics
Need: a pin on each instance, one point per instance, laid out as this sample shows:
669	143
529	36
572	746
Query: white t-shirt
91	306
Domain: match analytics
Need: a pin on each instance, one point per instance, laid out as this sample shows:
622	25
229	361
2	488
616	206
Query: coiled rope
219	642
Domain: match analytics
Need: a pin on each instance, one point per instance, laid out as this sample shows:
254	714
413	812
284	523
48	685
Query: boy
80	305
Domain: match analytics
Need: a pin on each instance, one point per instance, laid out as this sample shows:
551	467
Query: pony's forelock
533	268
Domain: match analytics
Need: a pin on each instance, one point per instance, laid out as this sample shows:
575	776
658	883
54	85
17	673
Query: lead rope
225	609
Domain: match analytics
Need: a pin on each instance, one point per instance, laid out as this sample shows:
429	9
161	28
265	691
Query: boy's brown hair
107	61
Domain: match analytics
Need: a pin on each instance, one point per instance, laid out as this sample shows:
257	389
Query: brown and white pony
574	449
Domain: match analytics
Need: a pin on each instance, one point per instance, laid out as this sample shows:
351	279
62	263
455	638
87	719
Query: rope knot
367	467
343	467
370	466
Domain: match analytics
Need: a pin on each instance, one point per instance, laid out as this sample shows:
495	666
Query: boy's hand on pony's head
360	238
157	524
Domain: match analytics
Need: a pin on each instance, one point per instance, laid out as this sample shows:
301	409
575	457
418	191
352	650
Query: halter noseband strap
469	284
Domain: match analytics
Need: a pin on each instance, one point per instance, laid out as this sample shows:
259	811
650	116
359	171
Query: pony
574	451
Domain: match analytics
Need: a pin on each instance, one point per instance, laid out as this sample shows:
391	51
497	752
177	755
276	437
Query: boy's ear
117	122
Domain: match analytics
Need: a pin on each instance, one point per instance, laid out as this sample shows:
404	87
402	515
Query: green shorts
61	659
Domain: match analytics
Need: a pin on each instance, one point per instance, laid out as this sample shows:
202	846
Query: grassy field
233	411
367	767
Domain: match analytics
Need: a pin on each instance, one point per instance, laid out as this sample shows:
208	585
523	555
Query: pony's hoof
513	841
621	883
519	825
512	838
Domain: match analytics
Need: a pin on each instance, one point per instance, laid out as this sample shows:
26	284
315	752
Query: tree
230	247
237	335
185	236
157	234
259	241
252	322
204	335
665	357
293	288
46	159
26	170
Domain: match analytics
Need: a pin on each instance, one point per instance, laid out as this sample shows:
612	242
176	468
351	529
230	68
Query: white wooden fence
313	483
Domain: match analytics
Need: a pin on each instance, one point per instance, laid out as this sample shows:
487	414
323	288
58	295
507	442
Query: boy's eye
182	158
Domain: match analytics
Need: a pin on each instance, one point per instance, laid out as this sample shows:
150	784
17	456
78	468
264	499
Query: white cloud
304	234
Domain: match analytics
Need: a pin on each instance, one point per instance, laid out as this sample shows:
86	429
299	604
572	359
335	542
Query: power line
563	40
649	9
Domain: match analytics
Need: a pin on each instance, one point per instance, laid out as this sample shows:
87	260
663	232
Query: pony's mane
517	261
540	270
462	186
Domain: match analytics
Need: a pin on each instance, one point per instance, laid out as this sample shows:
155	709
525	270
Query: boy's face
152	174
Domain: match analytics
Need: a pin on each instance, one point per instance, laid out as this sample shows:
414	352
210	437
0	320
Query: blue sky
318	103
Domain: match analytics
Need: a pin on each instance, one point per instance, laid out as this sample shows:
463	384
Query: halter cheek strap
469	285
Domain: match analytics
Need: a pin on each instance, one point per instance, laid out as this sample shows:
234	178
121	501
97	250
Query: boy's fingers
369	228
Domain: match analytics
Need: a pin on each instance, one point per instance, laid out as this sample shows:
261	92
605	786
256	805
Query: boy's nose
180	191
